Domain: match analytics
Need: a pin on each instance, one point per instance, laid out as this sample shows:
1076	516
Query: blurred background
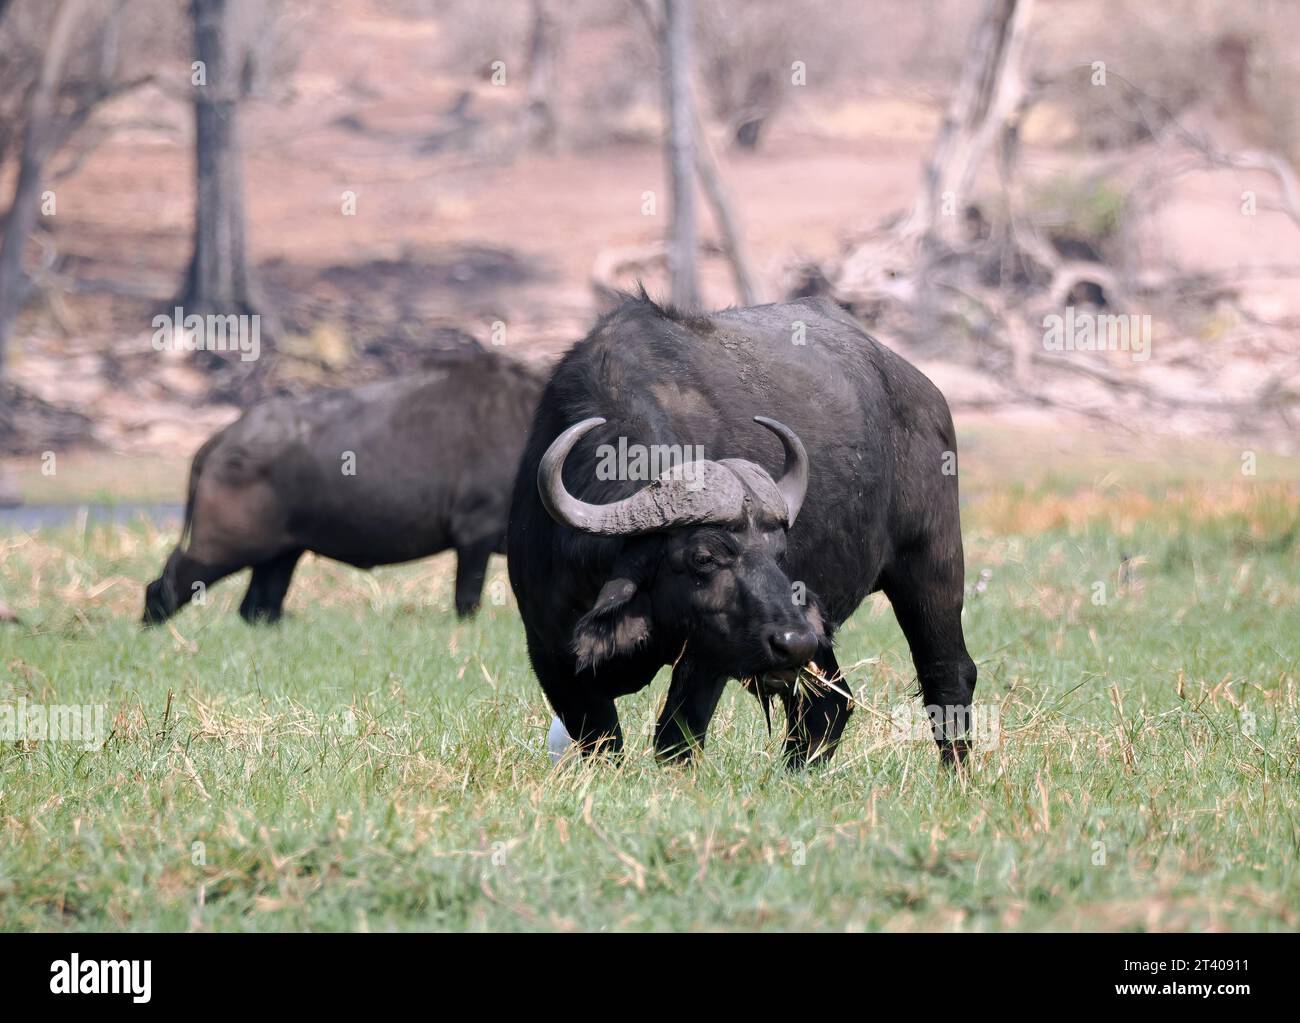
381	180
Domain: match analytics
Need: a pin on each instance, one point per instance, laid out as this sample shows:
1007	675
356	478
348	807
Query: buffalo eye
701	559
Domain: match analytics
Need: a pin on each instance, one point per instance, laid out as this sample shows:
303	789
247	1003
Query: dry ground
468	236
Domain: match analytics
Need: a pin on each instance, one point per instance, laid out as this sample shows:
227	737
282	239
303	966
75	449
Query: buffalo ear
817	617
618	623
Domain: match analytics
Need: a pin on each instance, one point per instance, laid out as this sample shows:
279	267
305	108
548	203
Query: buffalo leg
267	589
590	719
927	601
592	724
693	696
816	713
471	568
182	580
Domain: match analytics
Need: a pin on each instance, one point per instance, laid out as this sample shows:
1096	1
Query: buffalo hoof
262	616
953	754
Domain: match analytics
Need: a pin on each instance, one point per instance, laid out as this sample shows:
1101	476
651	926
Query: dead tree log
949	280
898	262
910	262
987	93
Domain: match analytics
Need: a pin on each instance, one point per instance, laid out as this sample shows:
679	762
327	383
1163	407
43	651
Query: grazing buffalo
374	475
733	562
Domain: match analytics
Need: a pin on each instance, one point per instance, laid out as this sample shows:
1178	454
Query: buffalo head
702	562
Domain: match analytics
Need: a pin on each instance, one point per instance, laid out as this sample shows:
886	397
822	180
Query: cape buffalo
720	567
378	474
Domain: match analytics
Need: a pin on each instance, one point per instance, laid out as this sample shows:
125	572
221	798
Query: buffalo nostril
791	647
803	647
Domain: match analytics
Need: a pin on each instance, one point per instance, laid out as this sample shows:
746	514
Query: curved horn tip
558	502
570	436
794	479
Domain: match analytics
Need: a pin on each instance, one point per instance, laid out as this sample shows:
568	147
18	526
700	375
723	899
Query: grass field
373	764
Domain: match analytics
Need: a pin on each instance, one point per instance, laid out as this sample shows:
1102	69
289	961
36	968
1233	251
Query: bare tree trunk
677	29
733	243
218	279
715	190
987	93
39	143
539	115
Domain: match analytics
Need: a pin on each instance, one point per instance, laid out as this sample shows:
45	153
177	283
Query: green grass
374	764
